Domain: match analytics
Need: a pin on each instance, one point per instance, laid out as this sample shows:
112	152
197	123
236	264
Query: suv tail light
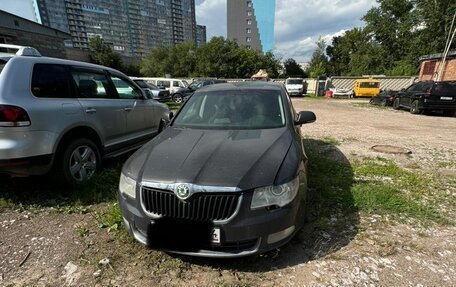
12	116
427	93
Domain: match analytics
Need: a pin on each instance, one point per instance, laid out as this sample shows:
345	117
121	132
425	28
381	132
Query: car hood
231	158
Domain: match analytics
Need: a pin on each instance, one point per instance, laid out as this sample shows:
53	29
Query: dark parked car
385	98
426	96
226	178
183	93
152	91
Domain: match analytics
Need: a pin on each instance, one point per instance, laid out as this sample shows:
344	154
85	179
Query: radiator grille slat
200	207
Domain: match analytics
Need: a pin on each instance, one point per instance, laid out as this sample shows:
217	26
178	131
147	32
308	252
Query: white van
172	85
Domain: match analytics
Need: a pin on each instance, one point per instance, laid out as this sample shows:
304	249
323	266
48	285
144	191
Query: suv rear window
51	81
445	88
294	82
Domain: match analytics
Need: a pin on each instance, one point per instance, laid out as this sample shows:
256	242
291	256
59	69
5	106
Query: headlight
127	186
279	195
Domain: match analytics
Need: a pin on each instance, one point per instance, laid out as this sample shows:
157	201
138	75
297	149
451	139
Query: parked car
227	177
339	92
183	93
295	86
366	88
172	85
427	96
152	91
68	115
385	98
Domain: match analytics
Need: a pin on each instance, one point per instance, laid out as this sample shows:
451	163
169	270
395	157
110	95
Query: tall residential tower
131	27
251	23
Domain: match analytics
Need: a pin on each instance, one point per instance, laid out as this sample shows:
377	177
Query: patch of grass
35	193
372	185
110	218
368	105
173	106
81	230
330	141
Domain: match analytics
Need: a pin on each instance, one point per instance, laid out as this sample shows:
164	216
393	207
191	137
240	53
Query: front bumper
246	233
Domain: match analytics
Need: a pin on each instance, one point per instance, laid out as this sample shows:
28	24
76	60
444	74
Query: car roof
252	85
49	60
367	80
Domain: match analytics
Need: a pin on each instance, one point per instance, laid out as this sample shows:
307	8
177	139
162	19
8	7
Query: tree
293	69
319	61
157	63
102	54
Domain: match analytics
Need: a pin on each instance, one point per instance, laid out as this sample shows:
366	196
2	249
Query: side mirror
171	115
403	89
305	117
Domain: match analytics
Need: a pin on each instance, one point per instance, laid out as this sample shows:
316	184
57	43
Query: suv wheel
178	98
414	109
80	159
396	104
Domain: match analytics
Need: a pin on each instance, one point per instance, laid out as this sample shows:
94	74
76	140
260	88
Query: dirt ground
47	248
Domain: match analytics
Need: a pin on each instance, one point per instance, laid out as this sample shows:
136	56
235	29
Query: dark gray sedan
226	178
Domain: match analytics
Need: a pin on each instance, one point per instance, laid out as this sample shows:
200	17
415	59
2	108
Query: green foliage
318	65
292	69
102	54
218	58
376	186
396	34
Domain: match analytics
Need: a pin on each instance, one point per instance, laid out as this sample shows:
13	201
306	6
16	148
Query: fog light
276	237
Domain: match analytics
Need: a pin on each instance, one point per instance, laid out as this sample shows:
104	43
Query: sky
298	23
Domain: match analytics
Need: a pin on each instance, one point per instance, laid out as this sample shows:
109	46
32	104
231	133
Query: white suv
68	115
295	86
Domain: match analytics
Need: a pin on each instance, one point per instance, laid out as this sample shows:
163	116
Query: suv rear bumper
35	165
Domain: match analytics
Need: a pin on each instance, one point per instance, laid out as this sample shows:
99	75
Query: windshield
142	84
369	84
248	109
294	82
145	85
196	85
2	64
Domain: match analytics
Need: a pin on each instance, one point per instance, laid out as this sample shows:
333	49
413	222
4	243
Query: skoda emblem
182	191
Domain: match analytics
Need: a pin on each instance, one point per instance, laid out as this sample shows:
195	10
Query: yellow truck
366	88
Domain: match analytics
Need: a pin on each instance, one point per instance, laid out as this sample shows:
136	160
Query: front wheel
178	98
79	161
414	109
396	104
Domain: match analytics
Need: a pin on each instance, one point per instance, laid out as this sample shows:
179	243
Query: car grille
199	207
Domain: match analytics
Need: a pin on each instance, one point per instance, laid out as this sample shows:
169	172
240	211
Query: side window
91	84
125	89
165	84
51	81
177	84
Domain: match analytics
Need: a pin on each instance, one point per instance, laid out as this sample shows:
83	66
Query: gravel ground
45	248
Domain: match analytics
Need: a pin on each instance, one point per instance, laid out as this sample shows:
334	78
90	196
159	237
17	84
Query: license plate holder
446	98
215	235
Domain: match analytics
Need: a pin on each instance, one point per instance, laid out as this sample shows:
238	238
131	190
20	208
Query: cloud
298	24
212	14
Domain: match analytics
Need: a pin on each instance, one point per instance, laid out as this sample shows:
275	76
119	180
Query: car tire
178	98
79	161
414	109
396	104
161	126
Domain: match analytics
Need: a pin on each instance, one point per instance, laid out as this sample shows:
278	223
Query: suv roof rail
22	50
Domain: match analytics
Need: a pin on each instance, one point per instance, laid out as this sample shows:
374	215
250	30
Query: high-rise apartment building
132	27
251	23
200	35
